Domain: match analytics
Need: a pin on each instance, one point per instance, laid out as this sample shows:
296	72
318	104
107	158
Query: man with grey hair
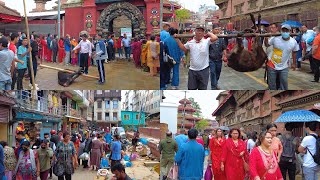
316	54
168	147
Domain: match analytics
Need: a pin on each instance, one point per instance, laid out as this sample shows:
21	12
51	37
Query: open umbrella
224	128
298	116
293	24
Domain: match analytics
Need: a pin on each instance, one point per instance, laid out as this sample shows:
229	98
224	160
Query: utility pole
59	15
161	14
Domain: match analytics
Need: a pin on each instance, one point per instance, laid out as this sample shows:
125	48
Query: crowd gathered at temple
205	54
83	51
239	155
59	154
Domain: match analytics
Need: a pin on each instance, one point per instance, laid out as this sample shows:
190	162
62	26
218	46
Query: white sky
195	4
18	5
206	99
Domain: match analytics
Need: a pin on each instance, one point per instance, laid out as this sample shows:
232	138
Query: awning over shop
8	15
73	119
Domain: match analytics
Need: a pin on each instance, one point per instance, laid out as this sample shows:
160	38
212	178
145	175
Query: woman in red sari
263	161
234	155
216	144
136	51
44	51
61	53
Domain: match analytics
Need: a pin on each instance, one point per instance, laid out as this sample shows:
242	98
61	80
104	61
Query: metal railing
25	100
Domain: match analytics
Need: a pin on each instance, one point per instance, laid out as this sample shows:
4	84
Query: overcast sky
195	4
18	5
206	99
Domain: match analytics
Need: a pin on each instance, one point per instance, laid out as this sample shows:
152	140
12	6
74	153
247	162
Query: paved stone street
120	74
231	79
137	172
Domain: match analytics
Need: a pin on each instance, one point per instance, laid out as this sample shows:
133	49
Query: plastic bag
126	158
84	156
206	152
143	141
104	163
208	174
133	156
128	164
173	173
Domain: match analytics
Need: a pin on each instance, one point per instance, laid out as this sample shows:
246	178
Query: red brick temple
108	16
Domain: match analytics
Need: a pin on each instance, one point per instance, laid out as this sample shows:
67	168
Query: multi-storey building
147	101
253	110
236	11
107	108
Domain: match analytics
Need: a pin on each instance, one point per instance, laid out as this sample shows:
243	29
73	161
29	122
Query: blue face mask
285	35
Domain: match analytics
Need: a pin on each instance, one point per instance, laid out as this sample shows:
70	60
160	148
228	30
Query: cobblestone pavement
137	172
120	74
231	79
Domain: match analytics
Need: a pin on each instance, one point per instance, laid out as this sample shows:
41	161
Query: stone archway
122	8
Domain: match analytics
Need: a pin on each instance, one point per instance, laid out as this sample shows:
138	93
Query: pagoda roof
8	15
188	108
185	100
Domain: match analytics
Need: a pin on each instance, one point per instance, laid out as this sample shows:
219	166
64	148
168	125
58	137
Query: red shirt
13	48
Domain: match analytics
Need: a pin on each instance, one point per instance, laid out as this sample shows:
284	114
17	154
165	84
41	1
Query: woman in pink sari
263	161
136	51
234	156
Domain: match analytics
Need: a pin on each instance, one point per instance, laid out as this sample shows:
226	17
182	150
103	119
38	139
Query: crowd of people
82	52
205	55
238	155
60	154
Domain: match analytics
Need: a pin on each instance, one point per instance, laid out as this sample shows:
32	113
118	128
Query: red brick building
236	11
253	110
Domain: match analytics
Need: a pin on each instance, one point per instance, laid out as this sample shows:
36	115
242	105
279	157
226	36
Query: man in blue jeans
6	65
127	48
217	52
308	148
279	59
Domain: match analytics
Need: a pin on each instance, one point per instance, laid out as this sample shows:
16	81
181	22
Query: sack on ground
84	156
104	163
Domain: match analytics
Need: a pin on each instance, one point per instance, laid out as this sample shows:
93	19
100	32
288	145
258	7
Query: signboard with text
127	31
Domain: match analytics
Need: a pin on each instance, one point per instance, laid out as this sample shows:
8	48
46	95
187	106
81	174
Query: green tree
202	124
182	15
196	106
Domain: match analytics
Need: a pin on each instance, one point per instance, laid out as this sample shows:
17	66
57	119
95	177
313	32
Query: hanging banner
127	31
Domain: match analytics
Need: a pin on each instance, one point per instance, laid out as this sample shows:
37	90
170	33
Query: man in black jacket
35	58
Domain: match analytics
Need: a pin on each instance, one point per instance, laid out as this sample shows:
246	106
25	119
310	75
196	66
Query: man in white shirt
307	34
198	75
279	59
308	148
85	52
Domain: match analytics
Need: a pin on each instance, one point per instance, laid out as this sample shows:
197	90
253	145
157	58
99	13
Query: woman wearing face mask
66	157
234	156
263	161
276	145
44	153
28	166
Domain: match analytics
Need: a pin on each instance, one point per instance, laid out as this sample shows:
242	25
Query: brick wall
151	132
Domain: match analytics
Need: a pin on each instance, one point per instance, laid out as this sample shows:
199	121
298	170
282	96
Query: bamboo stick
68	71
29	45
236	35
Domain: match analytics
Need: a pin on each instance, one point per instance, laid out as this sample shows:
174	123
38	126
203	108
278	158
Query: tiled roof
8	11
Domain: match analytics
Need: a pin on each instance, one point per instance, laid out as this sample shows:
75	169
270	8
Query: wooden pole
65	70
29	45
236	35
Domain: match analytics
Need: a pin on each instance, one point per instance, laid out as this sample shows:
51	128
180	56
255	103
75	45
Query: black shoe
315	81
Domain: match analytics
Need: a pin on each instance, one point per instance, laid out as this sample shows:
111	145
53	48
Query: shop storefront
6	104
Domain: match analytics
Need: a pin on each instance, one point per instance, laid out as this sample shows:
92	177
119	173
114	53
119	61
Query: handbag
208	174
58	169
173	173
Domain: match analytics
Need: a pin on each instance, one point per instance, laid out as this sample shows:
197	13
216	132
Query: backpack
288	154
316	156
